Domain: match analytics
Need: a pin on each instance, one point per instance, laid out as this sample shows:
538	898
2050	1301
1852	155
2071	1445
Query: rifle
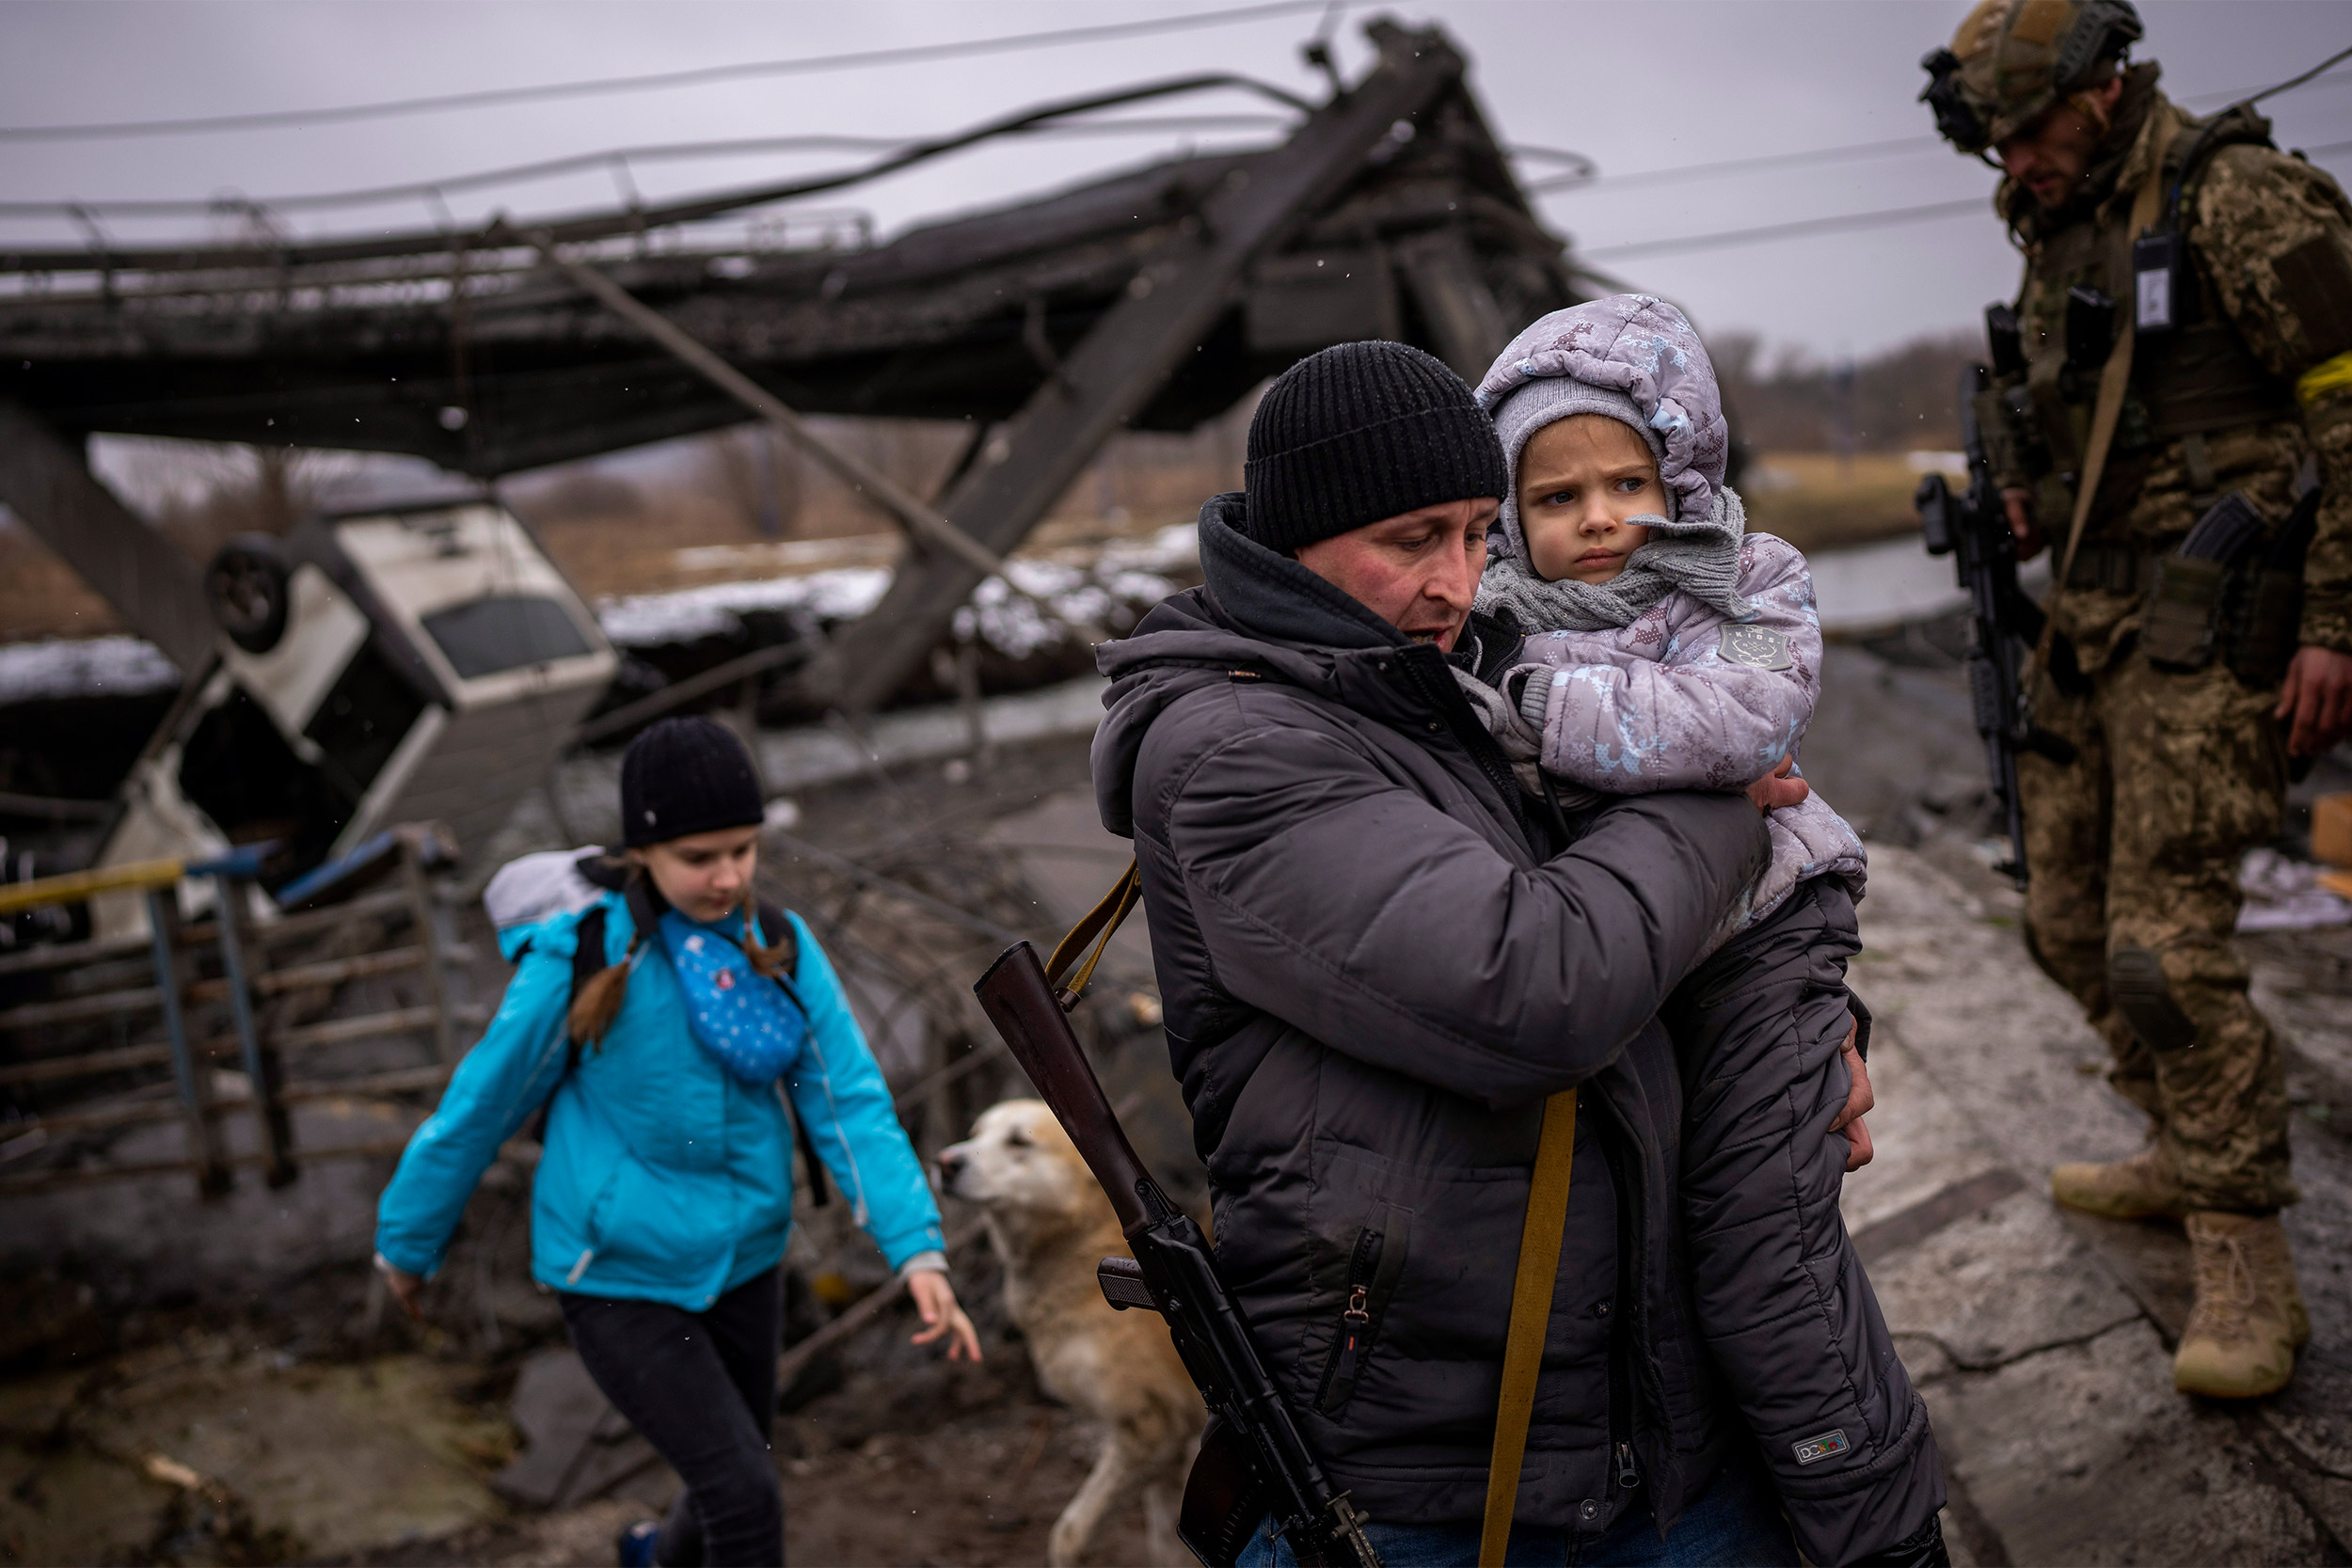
1254	1460
1973	528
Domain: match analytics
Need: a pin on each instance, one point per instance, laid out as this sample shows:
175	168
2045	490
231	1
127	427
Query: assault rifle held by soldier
1253	1459
1973	528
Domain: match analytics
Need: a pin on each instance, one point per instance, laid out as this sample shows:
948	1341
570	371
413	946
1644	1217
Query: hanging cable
576	163
1679	172
598	225
702	76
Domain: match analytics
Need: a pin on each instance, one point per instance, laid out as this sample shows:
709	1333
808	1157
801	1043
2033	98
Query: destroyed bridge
1152	300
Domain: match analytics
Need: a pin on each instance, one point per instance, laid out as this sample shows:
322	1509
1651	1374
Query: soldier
2204	280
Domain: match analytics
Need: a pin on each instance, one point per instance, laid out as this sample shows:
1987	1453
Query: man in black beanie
1377	958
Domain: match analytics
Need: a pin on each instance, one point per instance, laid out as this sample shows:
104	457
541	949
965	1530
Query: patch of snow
1176	548
84	666
646	619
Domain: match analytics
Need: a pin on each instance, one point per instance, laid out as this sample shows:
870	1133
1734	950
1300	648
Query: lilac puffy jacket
1686	698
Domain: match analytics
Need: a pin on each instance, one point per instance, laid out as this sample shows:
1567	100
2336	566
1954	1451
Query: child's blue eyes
1630	485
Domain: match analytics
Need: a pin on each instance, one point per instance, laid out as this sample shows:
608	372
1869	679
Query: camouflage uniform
2135	846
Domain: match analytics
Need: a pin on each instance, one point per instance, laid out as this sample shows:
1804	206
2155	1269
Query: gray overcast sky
1635	85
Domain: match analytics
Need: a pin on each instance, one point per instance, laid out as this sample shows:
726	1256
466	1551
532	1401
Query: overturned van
425	662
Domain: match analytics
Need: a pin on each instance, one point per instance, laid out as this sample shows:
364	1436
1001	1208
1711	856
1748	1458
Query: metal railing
255	997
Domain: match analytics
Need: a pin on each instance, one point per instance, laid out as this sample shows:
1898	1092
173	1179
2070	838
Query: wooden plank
337	1031
66	955
333	971
406	1081
366	1026
84	1064
139	1114
35	1183
135	999
309	923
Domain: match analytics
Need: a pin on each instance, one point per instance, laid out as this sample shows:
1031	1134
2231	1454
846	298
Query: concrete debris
577	1447
2041	1340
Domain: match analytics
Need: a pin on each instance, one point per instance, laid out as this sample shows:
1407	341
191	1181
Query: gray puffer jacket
1375	967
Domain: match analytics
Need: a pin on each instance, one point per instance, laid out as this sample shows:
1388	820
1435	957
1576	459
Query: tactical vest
2198	378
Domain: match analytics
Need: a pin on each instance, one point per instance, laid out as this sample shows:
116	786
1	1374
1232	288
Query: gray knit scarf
1702	560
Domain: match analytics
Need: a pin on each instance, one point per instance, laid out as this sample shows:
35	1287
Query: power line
1734	166
622	158
855	59
1680	172
1884	218
279	250
619	157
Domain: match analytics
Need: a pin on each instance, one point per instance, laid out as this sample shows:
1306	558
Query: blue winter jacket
664	1178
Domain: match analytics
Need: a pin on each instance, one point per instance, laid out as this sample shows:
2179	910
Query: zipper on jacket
1355	1332
1485	753
1620	1336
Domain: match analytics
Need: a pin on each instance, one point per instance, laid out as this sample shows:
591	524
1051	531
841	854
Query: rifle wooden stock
1254	1460
1014	995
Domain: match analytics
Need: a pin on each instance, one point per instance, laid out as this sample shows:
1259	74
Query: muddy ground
296	1419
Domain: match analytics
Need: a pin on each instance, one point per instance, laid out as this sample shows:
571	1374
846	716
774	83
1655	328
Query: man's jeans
1735	1524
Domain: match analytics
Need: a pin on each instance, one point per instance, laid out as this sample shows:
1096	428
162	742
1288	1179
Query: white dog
1050	1224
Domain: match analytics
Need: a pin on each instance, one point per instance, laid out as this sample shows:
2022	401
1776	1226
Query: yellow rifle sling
1531	1316
2114	380
1106	918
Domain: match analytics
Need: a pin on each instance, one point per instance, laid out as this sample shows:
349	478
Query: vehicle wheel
246	585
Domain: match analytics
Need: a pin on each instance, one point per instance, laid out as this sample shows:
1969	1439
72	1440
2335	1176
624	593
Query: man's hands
1776	788
2019	504
1858	1102
935	1299
2316	699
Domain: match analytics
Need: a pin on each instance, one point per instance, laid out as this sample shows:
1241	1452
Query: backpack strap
777	928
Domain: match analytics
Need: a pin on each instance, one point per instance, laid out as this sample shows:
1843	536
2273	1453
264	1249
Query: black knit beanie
1362	432
686	776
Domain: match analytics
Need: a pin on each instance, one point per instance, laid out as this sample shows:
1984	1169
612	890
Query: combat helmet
2012	59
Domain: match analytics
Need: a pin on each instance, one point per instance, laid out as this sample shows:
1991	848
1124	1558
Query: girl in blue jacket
664	1197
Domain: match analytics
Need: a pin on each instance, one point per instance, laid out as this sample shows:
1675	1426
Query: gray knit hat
1635	359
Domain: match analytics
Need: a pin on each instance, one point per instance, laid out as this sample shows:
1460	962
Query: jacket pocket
1374	1266
596	1226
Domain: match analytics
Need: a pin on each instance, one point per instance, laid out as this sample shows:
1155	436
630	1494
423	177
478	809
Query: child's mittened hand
935	1299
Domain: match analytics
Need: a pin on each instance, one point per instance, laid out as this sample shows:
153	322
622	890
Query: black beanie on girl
685	776
1362	432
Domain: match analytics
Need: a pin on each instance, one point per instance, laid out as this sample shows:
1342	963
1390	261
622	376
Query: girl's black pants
701	1388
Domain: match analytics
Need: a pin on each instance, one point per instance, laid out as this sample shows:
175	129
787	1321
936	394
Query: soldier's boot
2143	1187
2249	1320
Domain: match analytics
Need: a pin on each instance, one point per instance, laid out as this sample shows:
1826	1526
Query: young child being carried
1667	648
